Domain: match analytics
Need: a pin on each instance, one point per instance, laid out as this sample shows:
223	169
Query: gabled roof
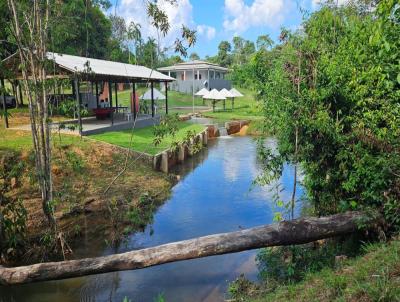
201	92
214	95
157	95
236	93
226	93
196	64
105	68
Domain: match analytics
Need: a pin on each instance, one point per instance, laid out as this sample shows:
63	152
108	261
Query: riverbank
375	276
82	170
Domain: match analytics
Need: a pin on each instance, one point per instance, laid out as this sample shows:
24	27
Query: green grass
245	108
372	277
143	138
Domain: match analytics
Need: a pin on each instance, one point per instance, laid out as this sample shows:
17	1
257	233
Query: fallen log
297	231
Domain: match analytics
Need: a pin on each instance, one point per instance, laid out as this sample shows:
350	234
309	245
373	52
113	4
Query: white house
197	74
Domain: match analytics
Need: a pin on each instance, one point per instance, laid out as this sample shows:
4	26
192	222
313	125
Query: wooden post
110	93
134	100
110	100
116	95
3	95
166	97
21	96
78	103
15	92
152	99
224	104
233	102
97	94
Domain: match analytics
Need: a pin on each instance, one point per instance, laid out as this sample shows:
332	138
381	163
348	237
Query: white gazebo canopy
202	92
157	95
235	93
214	95
225	92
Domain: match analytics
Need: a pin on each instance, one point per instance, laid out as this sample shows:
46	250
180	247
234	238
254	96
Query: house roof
95	69
107	68
196	64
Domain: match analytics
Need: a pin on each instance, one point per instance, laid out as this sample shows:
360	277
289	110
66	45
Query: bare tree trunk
297	231
33	61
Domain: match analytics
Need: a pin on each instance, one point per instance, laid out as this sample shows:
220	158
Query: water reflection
213	196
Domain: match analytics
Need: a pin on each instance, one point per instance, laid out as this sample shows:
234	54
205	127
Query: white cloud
178	14
316	3
240	16
207	31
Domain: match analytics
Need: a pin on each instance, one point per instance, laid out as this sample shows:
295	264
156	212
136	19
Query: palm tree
134	35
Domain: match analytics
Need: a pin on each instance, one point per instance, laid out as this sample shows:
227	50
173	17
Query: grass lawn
142	139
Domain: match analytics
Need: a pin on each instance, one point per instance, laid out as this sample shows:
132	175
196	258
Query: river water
215	194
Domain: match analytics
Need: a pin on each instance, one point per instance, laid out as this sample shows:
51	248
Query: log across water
284	233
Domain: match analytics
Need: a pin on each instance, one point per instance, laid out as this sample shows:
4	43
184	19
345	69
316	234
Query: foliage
335	84
287	264
372	277
12	212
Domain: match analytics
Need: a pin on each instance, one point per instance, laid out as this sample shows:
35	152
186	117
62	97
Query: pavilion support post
97	94
116	96
166	97
73	87
223	104
213	104
15	92
152	99
110	93
233	103
133	104
3	95
110	100
21	96
78	104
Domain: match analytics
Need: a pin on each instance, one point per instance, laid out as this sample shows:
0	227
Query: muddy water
213	196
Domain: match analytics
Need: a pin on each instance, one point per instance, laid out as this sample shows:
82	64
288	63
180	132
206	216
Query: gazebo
98	71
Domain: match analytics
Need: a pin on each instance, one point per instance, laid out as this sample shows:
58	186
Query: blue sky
217	20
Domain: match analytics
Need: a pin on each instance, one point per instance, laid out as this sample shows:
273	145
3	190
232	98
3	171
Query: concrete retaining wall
235	126
165	160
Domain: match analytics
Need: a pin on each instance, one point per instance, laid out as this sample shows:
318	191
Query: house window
197	78
182	76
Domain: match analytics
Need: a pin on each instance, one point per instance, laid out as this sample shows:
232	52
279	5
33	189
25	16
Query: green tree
224	57
194	56
264	42
331	97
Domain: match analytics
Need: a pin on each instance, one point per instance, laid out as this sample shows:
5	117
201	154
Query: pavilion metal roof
96	68
196	64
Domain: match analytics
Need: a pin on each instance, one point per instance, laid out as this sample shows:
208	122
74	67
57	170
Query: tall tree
194	56
264	42
224	57
134	36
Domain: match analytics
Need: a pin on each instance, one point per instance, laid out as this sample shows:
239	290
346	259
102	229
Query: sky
218	20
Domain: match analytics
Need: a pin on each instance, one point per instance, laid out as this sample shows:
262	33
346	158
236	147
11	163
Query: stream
215	194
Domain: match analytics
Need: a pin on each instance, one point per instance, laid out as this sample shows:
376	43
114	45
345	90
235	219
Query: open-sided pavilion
95	71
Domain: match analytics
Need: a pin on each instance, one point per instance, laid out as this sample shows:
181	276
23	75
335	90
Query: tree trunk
297	231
